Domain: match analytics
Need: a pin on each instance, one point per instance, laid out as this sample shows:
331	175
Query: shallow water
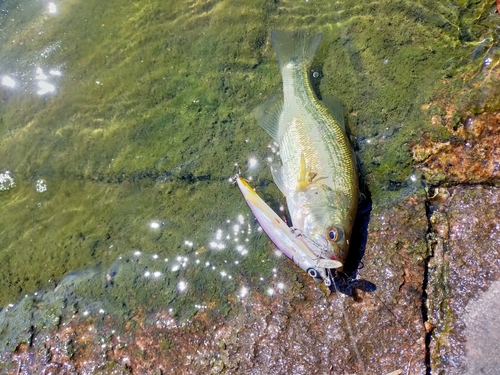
121	124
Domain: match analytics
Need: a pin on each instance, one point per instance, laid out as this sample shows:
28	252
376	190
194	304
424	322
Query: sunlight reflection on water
229	247
7	182
8	82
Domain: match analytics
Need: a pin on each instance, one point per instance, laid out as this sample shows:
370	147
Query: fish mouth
320	246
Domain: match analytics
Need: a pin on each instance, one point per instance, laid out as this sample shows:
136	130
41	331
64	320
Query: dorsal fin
268	115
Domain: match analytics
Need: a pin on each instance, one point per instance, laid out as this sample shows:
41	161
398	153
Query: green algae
154	109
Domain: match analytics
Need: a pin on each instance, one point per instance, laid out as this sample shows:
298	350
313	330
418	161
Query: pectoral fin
306	176
302	183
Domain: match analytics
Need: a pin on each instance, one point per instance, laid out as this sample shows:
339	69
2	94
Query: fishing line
349	328
408	330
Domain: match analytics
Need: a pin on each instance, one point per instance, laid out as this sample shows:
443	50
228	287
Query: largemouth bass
318	173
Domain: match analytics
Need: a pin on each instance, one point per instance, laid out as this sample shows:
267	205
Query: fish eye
335	234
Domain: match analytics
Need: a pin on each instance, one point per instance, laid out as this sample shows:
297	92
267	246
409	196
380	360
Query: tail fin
295	46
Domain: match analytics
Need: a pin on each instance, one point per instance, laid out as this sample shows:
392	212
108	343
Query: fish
298	248
317	172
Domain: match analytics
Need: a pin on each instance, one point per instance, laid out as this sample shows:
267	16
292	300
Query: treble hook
235	177
329	277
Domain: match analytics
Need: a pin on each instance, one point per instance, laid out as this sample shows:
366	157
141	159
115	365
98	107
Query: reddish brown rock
471	156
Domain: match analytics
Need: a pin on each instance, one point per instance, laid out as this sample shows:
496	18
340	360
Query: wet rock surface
463	269
483	332
302	329
376	328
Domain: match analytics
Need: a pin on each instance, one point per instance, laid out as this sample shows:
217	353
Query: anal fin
276	171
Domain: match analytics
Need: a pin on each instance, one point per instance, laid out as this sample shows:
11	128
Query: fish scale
314	132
